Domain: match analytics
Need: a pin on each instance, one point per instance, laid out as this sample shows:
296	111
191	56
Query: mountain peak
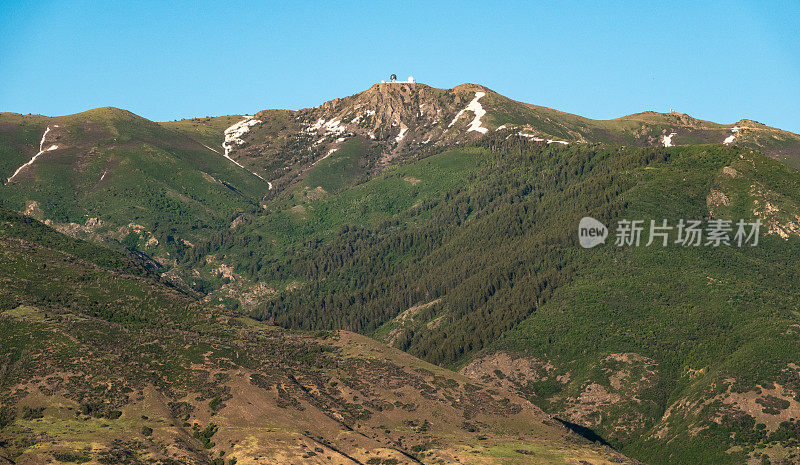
107	112
385	110
470	87
749	123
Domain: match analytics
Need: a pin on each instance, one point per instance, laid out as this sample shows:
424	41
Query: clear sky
720	61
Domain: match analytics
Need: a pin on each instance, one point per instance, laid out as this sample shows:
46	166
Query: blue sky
720	61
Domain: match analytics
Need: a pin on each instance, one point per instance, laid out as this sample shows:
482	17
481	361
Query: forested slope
485	258
103	363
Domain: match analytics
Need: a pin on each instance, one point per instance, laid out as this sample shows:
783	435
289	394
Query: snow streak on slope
209	148
330	152
475	107
41	151
233	136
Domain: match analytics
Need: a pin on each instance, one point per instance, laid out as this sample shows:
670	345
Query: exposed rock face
780	215
393	121
380	112
507	370
716	198
619	379
616	398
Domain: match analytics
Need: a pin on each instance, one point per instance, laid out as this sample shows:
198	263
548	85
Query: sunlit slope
403	121
106	173
102	363
474	250
678	355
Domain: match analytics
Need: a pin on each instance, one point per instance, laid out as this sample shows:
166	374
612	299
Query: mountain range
394	277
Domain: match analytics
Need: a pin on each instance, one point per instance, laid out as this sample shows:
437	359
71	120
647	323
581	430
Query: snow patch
401	135
539	139
233	135
530	136
476	108
41	151
730	139
316	125
335	126
667	140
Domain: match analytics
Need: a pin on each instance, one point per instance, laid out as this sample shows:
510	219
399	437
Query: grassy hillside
208	130
640	129
344	167
117	177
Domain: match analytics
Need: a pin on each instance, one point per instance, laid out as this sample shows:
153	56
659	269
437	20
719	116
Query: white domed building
393	80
